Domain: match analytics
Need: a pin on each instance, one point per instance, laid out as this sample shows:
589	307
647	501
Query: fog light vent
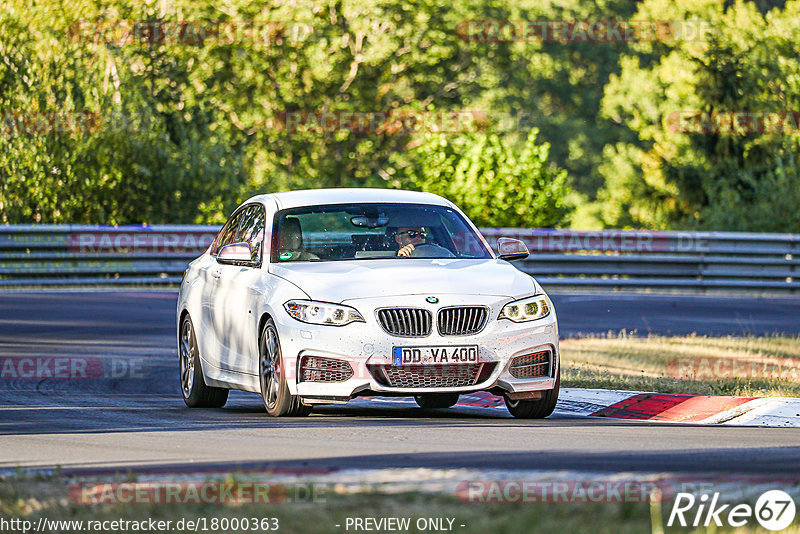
534	365
316	369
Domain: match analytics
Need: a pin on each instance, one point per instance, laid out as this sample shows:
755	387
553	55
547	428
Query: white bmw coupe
320	296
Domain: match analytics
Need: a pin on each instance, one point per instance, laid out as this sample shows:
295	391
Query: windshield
374	231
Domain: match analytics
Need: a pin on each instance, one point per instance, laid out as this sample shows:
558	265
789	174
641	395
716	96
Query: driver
409	237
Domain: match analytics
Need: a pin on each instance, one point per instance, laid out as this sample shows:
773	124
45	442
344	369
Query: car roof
314	197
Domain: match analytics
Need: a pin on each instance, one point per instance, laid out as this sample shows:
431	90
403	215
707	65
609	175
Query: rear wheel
436	400
274	388
535	409
196	394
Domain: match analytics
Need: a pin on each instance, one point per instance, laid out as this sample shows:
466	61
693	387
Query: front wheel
196	394
535	409
436	400
274	388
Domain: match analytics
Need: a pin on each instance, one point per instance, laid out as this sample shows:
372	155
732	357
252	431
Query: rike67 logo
774	510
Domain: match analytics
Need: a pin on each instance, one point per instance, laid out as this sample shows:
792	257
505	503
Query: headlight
527	309
312	312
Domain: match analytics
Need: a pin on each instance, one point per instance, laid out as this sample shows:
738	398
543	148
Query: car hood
338	281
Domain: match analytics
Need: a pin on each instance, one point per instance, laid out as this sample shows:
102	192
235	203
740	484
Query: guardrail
696	261
64	255
71	255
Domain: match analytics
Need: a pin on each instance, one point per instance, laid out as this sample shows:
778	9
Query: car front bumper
366	346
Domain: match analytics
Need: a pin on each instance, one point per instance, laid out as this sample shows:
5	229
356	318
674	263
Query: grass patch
746	366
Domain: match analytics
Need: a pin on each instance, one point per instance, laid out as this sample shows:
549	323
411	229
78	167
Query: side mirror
511	249
235	253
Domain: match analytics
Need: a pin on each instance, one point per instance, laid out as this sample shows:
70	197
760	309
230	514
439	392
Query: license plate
434	355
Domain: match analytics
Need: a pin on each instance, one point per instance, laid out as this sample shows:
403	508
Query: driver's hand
406	251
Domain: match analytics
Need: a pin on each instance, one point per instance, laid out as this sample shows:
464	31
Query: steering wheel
427	250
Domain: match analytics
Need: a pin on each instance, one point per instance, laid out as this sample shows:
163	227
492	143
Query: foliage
183	127
684	170
130	149
189	128
491	181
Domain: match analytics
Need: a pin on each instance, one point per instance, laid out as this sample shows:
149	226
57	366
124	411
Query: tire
274	388
436	400
535	409
196	394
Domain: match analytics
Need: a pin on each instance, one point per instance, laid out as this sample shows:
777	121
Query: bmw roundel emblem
432	300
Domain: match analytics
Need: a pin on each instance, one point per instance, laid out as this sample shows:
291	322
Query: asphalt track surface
135	419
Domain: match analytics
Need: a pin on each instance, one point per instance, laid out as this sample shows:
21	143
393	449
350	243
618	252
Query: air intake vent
432	376
462	320
405	322
316	369
531	365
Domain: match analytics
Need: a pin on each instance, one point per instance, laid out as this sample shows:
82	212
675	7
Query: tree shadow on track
62	414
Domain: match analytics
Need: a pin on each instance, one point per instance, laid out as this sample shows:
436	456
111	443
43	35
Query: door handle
216	273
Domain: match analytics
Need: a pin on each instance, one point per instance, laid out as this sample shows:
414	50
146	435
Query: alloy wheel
270	367
187	356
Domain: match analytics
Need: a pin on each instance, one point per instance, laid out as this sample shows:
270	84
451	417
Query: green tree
716	178
141	154
492	182
558	86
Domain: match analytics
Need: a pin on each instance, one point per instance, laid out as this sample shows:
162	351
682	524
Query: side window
252	230
228	232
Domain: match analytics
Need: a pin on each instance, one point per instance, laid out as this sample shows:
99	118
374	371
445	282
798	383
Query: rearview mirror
511	249
235	253
363	221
